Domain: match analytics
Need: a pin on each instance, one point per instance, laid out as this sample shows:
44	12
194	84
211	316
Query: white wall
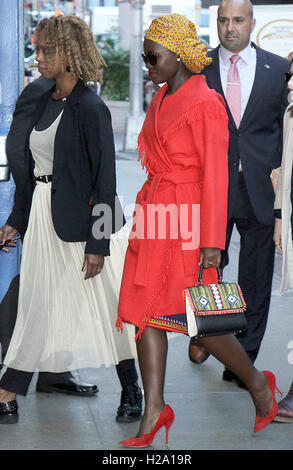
104	19
154	8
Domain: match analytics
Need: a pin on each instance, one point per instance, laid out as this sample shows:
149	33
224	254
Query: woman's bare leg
152	355
229	351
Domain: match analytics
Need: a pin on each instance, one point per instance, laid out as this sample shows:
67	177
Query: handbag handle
199	276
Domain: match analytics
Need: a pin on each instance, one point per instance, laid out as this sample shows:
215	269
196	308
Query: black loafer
8	412
131	404
229	376
71	387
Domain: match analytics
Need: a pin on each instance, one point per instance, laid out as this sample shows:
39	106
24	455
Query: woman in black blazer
66	208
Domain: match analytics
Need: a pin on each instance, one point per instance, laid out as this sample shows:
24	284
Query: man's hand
278	234
7	233
92	265
210	257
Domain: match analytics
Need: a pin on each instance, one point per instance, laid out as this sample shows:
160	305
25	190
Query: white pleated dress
64	322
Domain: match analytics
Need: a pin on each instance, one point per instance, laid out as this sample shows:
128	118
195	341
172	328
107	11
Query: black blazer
258	140
84	167
22	117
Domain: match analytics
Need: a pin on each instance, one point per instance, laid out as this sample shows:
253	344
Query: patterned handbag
214	309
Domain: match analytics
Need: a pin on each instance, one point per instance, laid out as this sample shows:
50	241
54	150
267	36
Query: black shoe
229	376
72	387
130	405
8	412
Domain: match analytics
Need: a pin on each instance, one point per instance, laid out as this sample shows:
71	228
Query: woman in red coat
180	217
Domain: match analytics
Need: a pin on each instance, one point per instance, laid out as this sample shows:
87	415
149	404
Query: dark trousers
255	269
18	381
8	312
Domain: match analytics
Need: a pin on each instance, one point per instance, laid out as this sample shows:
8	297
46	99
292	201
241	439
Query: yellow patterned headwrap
178	34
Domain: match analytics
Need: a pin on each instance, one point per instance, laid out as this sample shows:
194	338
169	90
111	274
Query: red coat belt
177	178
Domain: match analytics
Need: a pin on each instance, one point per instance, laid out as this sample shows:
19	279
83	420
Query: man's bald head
235	24
245	3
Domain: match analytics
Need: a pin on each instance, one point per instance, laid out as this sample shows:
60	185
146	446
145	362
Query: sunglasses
288	76
151	57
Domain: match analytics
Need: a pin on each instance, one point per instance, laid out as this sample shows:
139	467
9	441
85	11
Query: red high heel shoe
166	418
261	423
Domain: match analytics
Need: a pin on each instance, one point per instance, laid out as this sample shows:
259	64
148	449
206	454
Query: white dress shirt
246	68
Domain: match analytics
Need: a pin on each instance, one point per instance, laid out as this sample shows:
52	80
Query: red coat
184	147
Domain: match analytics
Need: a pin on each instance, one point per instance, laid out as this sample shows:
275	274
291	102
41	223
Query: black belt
44	178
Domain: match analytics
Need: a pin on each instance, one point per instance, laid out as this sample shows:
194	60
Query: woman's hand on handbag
7	233
278	234
210	257
92	265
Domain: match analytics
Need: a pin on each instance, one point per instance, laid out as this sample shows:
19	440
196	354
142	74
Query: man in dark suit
252	83
15	144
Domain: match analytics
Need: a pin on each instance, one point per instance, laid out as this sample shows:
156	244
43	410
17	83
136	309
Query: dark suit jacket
84	167
21	122
257	141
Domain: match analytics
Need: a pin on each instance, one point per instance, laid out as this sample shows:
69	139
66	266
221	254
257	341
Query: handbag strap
199	276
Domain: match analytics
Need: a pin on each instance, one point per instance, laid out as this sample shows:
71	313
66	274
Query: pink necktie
233	92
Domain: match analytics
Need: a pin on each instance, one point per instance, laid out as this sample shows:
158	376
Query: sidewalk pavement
209	414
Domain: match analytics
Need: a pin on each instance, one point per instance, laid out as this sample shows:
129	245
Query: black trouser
256	266
8	312
18	381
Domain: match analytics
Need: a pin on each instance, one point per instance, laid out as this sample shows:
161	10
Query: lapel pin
267	66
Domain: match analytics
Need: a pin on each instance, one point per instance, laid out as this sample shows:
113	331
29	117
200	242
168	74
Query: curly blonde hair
71	36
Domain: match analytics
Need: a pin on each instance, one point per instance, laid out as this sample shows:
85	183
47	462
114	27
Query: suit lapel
213	77
212	72
262	75
261	78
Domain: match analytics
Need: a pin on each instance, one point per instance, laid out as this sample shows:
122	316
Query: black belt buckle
44	178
